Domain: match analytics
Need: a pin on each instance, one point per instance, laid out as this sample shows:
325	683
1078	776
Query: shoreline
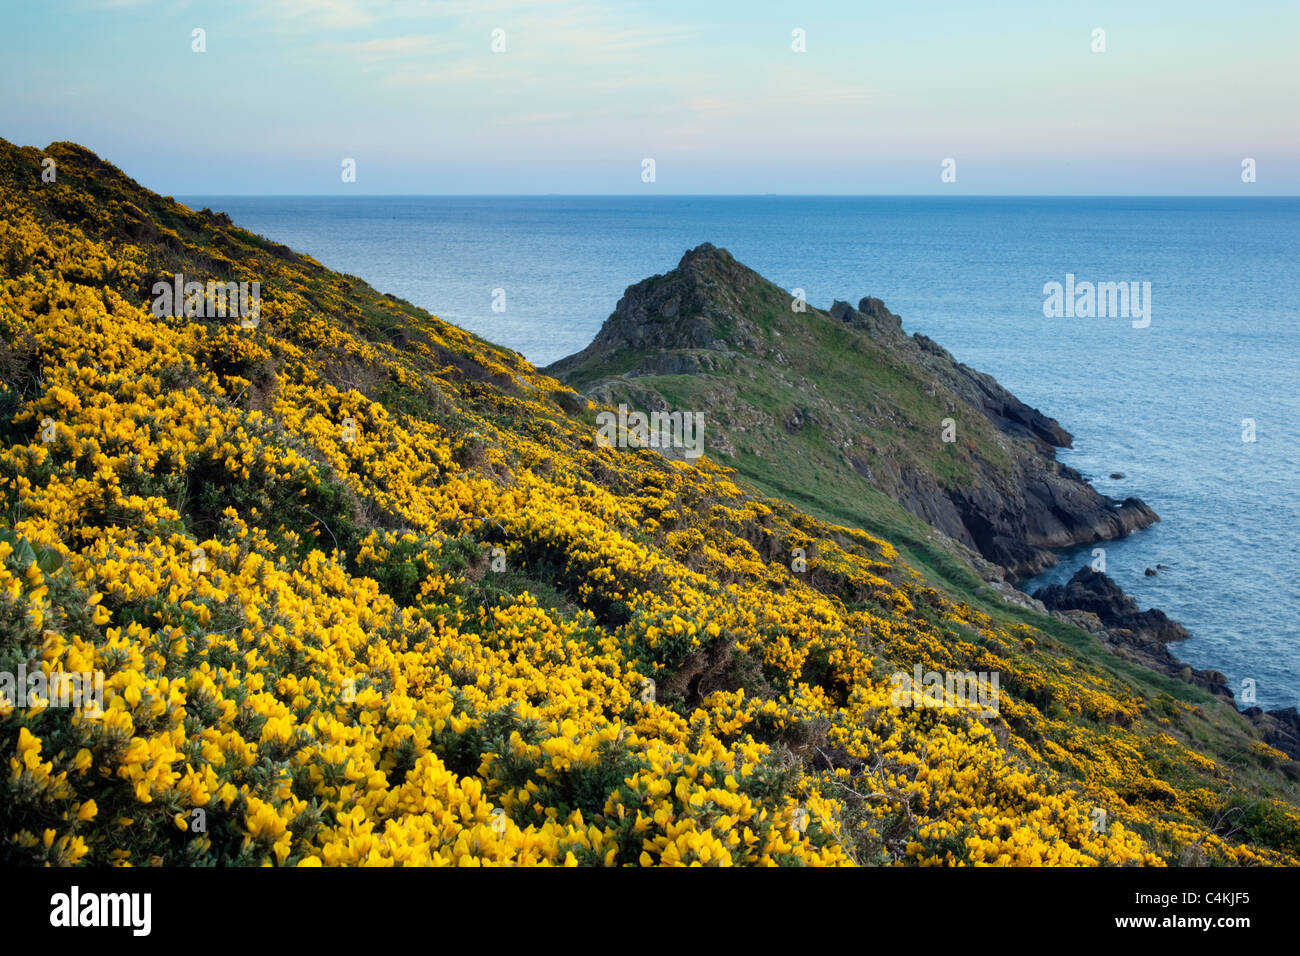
1093	601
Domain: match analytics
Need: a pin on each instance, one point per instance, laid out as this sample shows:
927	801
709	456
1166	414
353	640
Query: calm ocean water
1164	405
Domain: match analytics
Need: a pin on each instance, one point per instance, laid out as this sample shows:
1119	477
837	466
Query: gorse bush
421	619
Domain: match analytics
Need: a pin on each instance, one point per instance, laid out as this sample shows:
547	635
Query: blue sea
1163	405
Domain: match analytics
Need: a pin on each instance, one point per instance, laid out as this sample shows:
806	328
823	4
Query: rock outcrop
848	395
1097	604
1093	591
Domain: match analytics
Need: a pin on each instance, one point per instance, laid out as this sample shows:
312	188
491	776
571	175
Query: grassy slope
830	367
851	370
344	679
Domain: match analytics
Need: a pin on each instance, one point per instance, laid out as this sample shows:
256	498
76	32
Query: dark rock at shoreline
1097	604
1094	602
1044	506
1093	591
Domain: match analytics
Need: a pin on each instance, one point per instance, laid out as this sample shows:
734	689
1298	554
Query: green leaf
23	554
49	560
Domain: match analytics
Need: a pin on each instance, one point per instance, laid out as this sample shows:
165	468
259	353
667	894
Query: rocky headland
849	393
840	407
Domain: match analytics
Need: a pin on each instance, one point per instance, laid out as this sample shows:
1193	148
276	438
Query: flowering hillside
364	590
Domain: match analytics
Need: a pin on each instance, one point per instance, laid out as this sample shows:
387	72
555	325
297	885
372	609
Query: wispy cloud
326	14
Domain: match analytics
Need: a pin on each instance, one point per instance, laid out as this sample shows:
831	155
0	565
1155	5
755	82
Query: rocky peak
692	307
703	255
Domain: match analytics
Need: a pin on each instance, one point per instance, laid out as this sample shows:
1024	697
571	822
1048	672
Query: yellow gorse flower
308	659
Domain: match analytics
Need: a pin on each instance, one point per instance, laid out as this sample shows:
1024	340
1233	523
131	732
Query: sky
579	93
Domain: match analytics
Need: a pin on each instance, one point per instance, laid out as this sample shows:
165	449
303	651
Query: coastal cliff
855	405
845	399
